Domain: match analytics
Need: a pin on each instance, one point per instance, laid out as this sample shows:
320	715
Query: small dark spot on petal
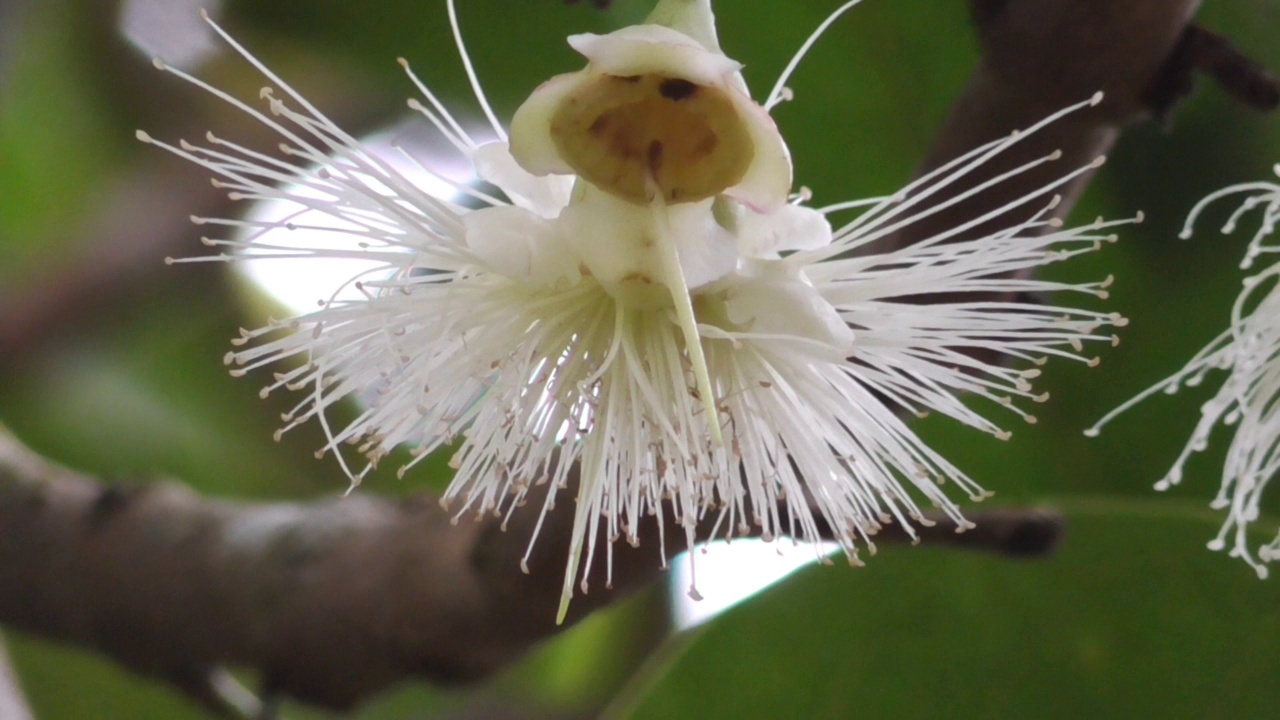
627	78
707	144
677	89
599	125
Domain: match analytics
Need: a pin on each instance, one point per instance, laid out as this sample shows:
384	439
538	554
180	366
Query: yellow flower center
640	134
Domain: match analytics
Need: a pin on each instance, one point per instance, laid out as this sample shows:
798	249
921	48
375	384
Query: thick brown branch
1200	50
330	601
1039	56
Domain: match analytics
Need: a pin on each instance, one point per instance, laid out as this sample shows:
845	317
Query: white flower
1249	399
648	302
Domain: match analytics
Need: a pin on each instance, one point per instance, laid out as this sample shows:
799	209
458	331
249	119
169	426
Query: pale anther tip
158	63
403	63
204	15
169	261
142	135
1140	217
1098	161
1097	98
1055	155
1091	432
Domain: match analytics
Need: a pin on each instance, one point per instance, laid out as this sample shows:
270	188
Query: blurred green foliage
1134	618
1131	619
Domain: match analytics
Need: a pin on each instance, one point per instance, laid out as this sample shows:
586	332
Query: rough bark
1039	56
330	600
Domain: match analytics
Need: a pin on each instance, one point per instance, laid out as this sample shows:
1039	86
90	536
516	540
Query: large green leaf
1133	618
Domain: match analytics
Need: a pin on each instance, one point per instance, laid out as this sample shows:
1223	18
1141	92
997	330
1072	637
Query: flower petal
530	135
545	196
790	227
653	49
778	303
615	239
519	244
767	183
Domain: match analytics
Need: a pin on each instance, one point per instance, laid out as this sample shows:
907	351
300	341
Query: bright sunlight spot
729	573
171	29
299	284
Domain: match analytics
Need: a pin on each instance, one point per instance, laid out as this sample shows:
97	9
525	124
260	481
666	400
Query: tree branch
331	601
1039	56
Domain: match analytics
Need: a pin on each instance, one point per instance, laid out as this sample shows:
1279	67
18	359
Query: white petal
768	180
707	251
643	49
691	17
545	196
615	239
790	227
773	302
518	244
531	142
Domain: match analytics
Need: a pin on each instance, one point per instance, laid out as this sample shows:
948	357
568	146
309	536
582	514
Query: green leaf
64	682
1133	618
55	146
